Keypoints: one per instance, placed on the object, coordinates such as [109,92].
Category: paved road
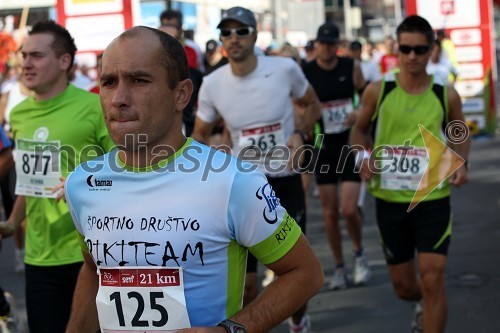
[473,273]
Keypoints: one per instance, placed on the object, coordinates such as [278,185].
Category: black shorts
[291,194]
[426,228]
[49,295]
[335,162]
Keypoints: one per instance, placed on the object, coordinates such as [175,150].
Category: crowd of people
[147,196]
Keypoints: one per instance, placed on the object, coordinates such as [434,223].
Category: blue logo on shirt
[267,194]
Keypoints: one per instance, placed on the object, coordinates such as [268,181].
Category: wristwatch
[232,327]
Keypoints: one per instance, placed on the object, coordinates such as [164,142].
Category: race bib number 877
[38,167]
[141,299]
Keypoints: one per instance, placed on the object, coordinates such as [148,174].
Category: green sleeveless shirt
[396,124]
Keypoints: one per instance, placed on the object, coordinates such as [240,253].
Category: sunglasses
[240,32]
[419,49]
[170,26]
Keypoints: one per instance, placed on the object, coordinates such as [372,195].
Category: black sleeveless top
[330,85]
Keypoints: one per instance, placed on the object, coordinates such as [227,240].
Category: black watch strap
[232,327]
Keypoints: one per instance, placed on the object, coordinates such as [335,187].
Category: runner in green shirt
[54,130]
[408,115]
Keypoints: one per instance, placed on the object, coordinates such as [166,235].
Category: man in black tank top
[335,80]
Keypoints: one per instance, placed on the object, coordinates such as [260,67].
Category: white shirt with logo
[257,108]
[170,243]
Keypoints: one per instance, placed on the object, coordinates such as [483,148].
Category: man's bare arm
[3,106]
[357,76]
[84,317]
[6,162]
[308,109]
[300,276]
[16,217]
[359,84]
[361,132]
[202,130]
[360,135]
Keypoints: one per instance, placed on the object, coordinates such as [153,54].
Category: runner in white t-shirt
[441,67]
[369,68]
[254,97]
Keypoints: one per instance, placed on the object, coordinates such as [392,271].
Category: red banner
[468,24]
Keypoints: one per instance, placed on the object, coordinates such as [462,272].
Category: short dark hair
[63,42]
[441,33]
[355,46]
[416,24]
[174,58]
[309,45]
[171,14]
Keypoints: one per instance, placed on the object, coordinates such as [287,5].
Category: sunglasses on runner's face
[241,32]
[419,49]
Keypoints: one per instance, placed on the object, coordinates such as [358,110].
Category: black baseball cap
[355,46]
[239,14]
[328,33]
[211,45]
[310,45]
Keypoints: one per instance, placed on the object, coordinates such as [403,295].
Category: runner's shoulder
[309,66]
[452,94]
[83,96]
[217,75]
[372,91]
[346,61]
[278,61]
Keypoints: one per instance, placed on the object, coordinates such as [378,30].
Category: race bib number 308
[405,169]
[38,167]
[141,299]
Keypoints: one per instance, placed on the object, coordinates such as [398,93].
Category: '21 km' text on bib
[141,299]
[38,167]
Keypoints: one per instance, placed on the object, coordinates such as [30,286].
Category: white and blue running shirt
[200,209]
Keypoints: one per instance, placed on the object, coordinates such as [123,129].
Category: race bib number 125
[141,299]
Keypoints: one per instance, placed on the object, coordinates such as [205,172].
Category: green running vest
[396,122]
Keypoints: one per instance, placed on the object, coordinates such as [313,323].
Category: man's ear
[65,61]
[184,92]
